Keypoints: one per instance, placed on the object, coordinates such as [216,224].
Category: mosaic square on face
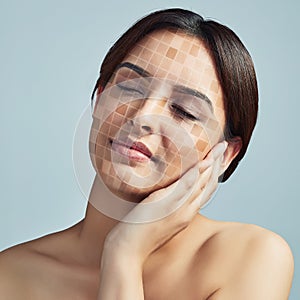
[194,51]
[171,53]
[181,57]
[147,53]
[214,86]
[161,48]
[174,59]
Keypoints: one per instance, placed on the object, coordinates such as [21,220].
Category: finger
[188,186]
[211,185]
[217,150]
[213,154]
[208,171]
[202,181]
[192,204]
[185,208]
[212,163]
[177,190]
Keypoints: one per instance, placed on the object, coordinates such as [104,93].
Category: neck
[98,222]
[102,214]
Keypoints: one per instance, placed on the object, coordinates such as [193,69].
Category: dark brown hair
[233,63]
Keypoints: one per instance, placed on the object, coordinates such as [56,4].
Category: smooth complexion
[182,256]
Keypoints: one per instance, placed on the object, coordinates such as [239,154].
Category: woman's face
[161,112]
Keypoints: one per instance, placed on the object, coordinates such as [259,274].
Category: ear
[234,146]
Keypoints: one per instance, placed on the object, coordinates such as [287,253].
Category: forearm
[120,279]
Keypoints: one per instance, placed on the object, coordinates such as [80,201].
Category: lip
[137,151]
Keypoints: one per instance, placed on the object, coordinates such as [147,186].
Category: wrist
[121,277]
[122,252]
[118,258]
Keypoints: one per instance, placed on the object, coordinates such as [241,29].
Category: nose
[148,118]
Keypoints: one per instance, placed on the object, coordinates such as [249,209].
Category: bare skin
[207,260]
[183,256]
[101,258]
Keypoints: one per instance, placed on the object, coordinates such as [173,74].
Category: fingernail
[224,146]
[205,164]
[220,149]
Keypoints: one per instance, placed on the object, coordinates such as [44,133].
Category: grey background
[50,55]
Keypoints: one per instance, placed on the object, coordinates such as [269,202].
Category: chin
[128,192]
[133,180]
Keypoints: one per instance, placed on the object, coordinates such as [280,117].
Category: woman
[176,104]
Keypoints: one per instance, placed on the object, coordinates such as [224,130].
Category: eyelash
[181,113]
[129,89]
[178,110]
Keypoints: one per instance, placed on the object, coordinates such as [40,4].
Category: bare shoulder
[23,264]
[252,262]
[15,265]
[256,243]
[251,239]
[28,253]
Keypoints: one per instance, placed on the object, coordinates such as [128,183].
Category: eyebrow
[185,90]
[135,68]
[178,88]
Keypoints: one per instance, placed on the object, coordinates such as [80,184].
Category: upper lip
[138,146]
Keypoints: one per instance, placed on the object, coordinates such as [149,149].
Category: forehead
[181,58]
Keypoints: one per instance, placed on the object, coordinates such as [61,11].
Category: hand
[140,240]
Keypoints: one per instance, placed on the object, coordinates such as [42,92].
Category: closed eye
[182,113]
[129,89]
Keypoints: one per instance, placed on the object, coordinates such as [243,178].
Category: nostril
[146,128]
[136,123]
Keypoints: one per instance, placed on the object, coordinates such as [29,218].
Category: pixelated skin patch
[116,173]
[169,110]
[175,143]
[181,58]
[159,99]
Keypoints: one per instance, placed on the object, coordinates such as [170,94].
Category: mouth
[136,151]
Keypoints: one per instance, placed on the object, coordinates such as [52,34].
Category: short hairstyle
[233,64]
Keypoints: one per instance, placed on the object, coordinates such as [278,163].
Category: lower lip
[131,154]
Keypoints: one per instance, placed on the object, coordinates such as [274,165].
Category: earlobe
[233,148]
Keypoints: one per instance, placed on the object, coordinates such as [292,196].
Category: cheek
[207,135]
[104,131]
[174,163]
[202,146]
[114,126]
[111,126]
[201,140]
[184,148]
